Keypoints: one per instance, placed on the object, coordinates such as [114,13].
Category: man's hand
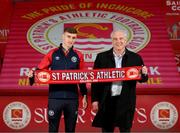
[144,70]
[95,106]
[84,102]
[30,74]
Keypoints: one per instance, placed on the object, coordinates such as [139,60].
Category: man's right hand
[30,74]
[95,106]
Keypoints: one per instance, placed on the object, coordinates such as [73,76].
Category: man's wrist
[85,96]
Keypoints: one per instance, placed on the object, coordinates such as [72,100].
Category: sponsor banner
[154,113]
[37,28]
[173,26]
[87,76]
[5,7]
[172,7]
[177,58]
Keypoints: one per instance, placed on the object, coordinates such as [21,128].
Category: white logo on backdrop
[94,28]
[164,115]
[16,115]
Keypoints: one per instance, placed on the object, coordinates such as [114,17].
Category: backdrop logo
[164,115]
[16,115]
[94,28]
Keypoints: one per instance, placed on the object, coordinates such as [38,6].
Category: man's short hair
[120,30]
[70,30]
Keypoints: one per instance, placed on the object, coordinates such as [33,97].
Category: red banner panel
[37,28]
[154,113]
[5,17]
[173,26]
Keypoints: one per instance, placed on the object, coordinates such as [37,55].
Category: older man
[115,102]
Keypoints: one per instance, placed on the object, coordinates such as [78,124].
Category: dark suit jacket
[101,92]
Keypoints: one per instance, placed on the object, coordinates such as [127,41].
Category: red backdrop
[36,28]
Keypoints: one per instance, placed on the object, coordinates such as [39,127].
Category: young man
[115,102]
[64,97]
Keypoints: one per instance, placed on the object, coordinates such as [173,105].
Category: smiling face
[68,39]
[119,41]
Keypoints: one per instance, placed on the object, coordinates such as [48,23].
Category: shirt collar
[64,50]
[119,55]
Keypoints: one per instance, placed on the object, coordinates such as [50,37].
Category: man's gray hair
[120,30]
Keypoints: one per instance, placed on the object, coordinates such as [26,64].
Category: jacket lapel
[111,63]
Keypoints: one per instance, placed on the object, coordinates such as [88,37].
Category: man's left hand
[144,70]
[84,102]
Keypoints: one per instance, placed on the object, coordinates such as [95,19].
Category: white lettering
[176,8]
[80,116]
[55,76]
[24,71]
[141,118]
[91,75]
[93,114]
[154,71]
[63,76]
[40,115]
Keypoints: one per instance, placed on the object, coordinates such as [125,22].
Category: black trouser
[69,107]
